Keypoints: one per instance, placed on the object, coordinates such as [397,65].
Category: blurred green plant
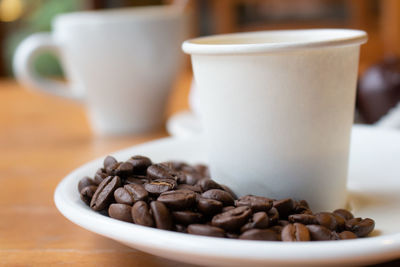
[37,17]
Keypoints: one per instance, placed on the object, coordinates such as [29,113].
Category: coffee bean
[159,186]
[160,171]
[277,229]
[209,206]
[303,218]
[260,234]
[175,165]
[138,192]
[109,161]
[284,207]
[345,214]
[122,196]
[99,176]
[192,178]
[120,212]
[347,235]
[141,214]
[301,207]
[161,215]
[85,181]
[319,232]
[273,216]
[136,179]
[283,222]
[227,189]
[326,219]
[207,184]
[104,194]
[206,230]
[219,195]
[194,188]
[140,164]
[224,209]
[360,227]
[233,219]
[259,220]
[87,193]
[180,228]
[187,217]
[202,169]
[232,235]
[124,169]
[295,232]
[255,203]
[178,199]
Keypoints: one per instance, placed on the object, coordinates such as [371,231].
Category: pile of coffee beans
[180,197]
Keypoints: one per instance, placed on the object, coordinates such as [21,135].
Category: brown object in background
[379,89]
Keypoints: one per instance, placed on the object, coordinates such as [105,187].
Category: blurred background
[380,18]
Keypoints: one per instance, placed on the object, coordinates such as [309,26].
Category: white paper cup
[277,109]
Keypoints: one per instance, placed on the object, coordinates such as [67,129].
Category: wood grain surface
[43,138]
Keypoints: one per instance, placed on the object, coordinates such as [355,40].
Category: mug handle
[23,66]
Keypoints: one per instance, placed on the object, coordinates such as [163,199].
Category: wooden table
[42,138]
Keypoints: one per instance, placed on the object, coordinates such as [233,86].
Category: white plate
[374,187]
[183,124]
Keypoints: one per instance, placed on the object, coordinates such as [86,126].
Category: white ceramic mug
[122,62]
[277,109]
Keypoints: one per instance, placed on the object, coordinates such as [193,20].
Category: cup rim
[106,16]
[238,43]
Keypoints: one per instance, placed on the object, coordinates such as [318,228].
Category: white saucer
[374,187]
[183,124]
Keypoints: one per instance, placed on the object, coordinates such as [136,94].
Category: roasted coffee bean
[130,193]
[330,220]
[255,203]
[345,214]
[175,165]
[303,218]
[140,164]
[259,220]
[202,169]
[136,179]
[277,229]
[159,186]
[282,222]
[178,199]
[273,216]
[209,206]
[224,209]
[219,195]
[192,178]
[162,216]
[227,189]
[99,176]
[120,212]
[109,161]
[260,234]
[194,188]
[180,228]
[301,207]
[360,227]
[295,232]
[124,169]
[138,192]
[347,235]
[319,232]
[207,230]
[85,181]
[284,207]
[104,194]
[187,217]
[233,219]
[207,184]
[232,235]
[160,171]
[87,193]
[141,214]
